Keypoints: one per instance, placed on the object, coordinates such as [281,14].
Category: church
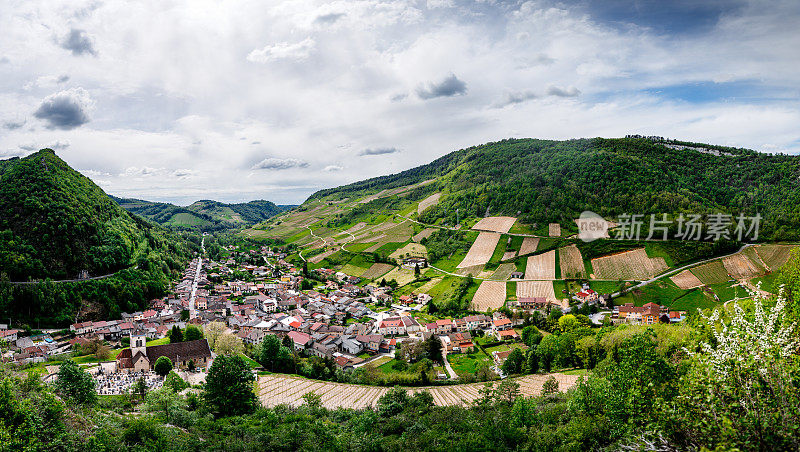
[141,358]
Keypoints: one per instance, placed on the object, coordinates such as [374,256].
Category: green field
[711,273]
[468,363]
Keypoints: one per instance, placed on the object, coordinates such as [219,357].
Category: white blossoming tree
[743,389]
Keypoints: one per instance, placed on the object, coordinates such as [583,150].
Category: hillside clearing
[495,224]
[503,272]
[411,249]
[481,250]
[541,266]
[554,230]
[424,234]
[490,295]
[711,273]
[740,267]
[431,200]
[774,256]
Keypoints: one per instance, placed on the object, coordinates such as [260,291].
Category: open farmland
[274,390]
[775,256]
[571,262]
[319,257]
[554,229]
[686,280]
[431,200]
[424,234]
[508,255]
[402,275]
[411,249]
[490,295]
[711,273]
[533,289]
[495,224]
[376,271]
[740,267]
[529,245]
[481,250]
[541,266]
[628,265]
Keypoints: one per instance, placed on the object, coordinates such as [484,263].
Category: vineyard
[431,200]
[571,262]
[535,289]
[490,295]
[481,251]
[529,245]
[274,390]
[629,265]
[686,280]
[541,266]
[495,224]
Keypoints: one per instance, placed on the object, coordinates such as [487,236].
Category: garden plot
[481,250]
[711,273]
[541,266]
[529,245]
[495,224]
[424,234]
[431,200]
[503,272]
[686,280]
[554,229]
[774,256]
[571,262]
[490,295]
[402,275]
[740,267]
[536,289]
[275,389]
[376,271]
[633,265]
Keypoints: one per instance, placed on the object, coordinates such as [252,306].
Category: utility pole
[457,218]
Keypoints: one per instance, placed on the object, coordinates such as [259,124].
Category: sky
[180,100]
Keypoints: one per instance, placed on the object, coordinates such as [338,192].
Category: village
[334,316]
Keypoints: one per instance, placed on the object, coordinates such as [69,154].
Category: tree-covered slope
[55,223]
[203,214]
[554,181]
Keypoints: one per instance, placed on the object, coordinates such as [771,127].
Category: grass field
[711,273]
[402,275]
[377,270]
[410,249]
[464,364]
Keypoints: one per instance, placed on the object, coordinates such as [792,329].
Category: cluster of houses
[497,325]
[648,314]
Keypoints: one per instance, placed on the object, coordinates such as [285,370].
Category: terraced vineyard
[274,390]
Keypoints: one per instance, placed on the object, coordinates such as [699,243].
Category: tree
[531,336]
[513,363]
[433,348]
[175,335]
[103,352]
[228,390]
[192,333]
[287,342]
[75,384]
[212,330]
[416,269]
[531,364]
[228,344]
[550,386]
[175,382]
[163,366]
[139,388]
[267,353]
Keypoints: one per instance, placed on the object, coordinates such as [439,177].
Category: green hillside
[205,215]
[543,181]
[57,224]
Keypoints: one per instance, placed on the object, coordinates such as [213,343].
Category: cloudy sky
[178,100]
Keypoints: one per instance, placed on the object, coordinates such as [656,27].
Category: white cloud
[283,51]
[272,163]
[331,168]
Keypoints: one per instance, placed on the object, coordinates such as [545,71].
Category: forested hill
[55,223]
[204,214]
[554,181]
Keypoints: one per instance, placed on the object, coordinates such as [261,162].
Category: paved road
[192,309]
[447,366]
